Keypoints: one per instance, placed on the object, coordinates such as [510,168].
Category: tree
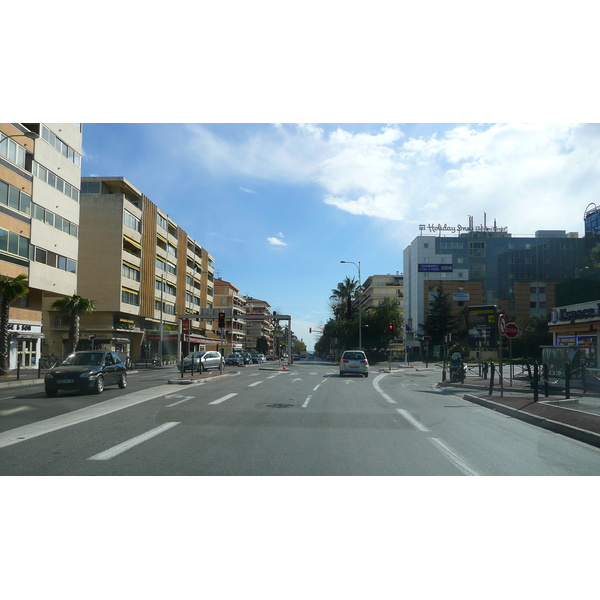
[262,345]
[10,290]
[73,307]
[342,296]
[439,320]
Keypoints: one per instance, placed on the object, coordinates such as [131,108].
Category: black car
[87,371]
[235,359]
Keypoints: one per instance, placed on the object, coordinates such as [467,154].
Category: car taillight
[364,362]
[343,360]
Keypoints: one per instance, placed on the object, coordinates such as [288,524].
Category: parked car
[234,359]
[255,358]
[87,371]
[247,358]
[203,361]
[263,358]
[354,361]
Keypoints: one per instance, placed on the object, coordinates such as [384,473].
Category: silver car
[354,361]
[203,361]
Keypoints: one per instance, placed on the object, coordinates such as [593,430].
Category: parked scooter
[458,368]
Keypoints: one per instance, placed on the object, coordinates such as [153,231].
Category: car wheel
[99,385]
[366,374]
[50,393]
[123,381]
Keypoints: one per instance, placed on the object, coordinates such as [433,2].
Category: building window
[51,179]
[132,221]
[131,272]
[14,243]
[56,221]
[161,221]
[60,146]
[130,297]
[13,152]
[15,198]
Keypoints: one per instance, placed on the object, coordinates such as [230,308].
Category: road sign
[502,324]
[511,330]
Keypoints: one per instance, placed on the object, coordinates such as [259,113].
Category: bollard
[444,372]
[18,369]
[535,381]
[567,381]
[583,385]
[492,371]
[39,369]
[546,389]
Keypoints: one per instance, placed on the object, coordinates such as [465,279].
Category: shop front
[577,325]
[24,344]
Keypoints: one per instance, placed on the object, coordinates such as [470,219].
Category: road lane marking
[12,411]
[376,386]
[27,432]
[454,457]
[223,399]
[120,448]
[306,402]
[317,387]
[417,424]
[185,399]
[256,383]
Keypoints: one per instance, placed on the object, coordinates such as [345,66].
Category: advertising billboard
[483,328]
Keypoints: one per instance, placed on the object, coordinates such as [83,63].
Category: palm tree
[10,290]
[72,307]
[344,293]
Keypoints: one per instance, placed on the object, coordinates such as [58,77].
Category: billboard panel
[482,326]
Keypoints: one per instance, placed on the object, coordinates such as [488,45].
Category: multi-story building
[377,287]
[228,296]
[39,226]
[256,325]
[142,271]
[487,266]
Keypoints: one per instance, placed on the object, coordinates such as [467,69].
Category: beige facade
[41,218]
[256,329]
[227,296]
[142,271]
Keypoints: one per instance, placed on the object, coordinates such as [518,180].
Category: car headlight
[49,376]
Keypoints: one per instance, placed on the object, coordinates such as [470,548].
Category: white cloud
[276,241]
[247,191]
[527,176]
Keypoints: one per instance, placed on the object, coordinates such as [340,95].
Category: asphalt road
[308,421]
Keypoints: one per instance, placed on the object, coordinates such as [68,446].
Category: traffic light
[221,320]
[310,330]
[391,329]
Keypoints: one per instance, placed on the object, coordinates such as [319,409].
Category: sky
[279,206]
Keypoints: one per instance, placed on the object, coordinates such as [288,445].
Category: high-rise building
[39,225]
[487,266]
[142,271]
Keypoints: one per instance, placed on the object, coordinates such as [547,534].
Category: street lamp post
[30,134]
[359,303]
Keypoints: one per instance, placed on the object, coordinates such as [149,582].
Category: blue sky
[279,205]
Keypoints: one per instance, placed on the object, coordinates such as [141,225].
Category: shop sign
[432,268]
[34,327]
[575,312]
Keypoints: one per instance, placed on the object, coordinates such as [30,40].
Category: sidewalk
[577,417]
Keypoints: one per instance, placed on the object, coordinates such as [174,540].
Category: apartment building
[142,271]
[257,326]
[377,287]
[39,226]
[227,296]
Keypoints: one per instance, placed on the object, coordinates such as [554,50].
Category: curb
[587,437]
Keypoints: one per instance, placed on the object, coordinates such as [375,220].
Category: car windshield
[91,358]
[195,355]
[354,356]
